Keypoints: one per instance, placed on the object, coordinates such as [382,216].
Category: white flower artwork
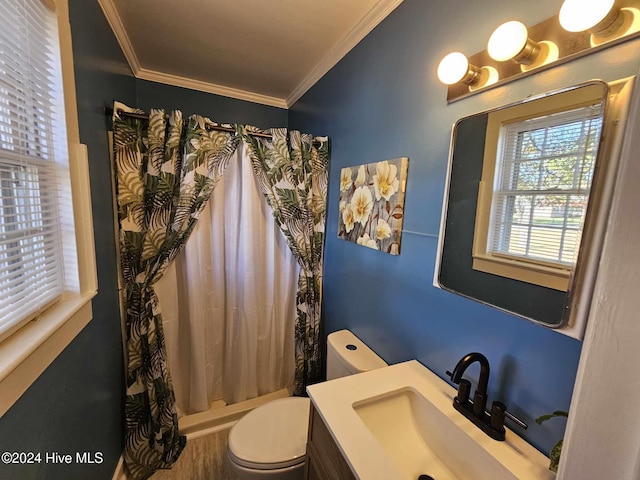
[372,207]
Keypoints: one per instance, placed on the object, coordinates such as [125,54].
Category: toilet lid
[271,436]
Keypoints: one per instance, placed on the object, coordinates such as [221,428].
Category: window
[47,260]
[534,194]
[33,161]
[545,166]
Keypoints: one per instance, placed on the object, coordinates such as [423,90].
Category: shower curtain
[228,301]
[292,172]
[165,172]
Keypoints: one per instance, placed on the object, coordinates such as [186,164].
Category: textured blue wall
[76,404]
[218,108]
[383,101]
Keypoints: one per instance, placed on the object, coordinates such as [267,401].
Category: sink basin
[399,423]
[421,440]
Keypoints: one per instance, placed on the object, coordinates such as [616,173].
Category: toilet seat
[271,436]
[265,466]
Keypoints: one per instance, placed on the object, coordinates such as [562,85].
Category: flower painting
[372,204]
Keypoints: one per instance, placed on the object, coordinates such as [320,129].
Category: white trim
[178,81]
[524,269]
[68,72]
[216,419]
[29,351]
[602,438]
[378,13]
[371,20]
[83,216]
[113,17]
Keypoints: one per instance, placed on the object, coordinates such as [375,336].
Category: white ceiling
[269,51]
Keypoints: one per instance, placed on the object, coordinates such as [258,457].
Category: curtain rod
[208,127]
[109,112]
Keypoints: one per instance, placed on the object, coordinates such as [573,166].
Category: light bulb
[453,68]
[581,15]
[507,41]
[510,41]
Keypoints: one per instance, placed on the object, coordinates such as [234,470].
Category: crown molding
[113,17]
[378,13]
[178,81]
[371,20]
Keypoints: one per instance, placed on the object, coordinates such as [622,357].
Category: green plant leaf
[554,456]
[543,418]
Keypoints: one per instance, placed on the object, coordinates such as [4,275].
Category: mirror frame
[581,283]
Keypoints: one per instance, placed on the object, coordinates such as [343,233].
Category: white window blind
[33,151]
[543,178]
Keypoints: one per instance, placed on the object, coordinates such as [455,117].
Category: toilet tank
[346,355]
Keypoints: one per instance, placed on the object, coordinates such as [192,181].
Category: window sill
[530,272]
[29,351]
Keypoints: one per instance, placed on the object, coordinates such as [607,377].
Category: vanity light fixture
[603,19]
[455,68]
[510,41]
[514,50]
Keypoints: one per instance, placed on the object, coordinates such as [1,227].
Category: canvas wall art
[372,204]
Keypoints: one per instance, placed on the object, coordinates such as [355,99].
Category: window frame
[537,272]
[31,349]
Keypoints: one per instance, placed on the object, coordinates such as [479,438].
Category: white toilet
[270,441]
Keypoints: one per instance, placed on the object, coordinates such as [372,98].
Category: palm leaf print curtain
[292,174]
[165,173]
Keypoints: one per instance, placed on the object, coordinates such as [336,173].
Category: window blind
[32,151]
[542,184]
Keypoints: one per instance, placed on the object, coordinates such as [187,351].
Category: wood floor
[204,458]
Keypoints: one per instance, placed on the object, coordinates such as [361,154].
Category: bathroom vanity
[324,459]
[399,423]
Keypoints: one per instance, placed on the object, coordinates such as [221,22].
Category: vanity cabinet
[324,460]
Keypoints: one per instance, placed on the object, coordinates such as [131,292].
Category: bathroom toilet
[270,441]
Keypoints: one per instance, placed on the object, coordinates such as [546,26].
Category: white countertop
[367,458]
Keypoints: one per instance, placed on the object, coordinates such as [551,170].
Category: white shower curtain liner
[228,302]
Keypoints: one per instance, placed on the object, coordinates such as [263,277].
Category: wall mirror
[524,204]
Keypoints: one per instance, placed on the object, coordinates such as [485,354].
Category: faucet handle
[498,410]
[463,391]
[515,420]
[498,414]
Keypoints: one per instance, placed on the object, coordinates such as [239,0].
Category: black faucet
[490,423]
[480,397]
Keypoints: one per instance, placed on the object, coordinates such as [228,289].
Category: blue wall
[383,101]
[76,405]
[217,108]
